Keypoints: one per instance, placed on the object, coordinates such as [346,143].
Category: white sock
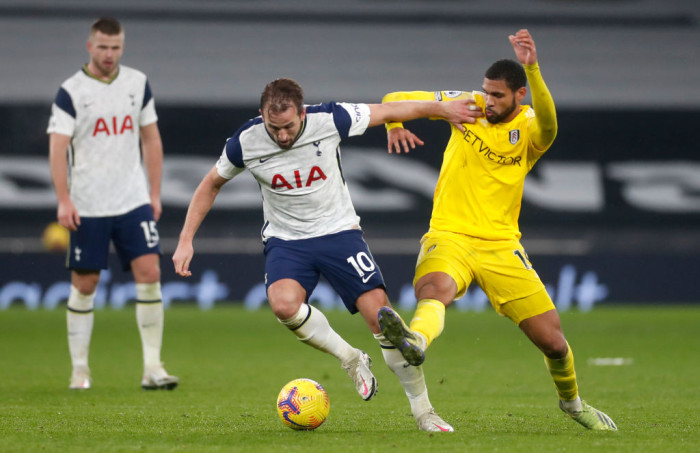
[150,319]
[422,340]
[312,327]
[79,320]
[411,377]
[573,405]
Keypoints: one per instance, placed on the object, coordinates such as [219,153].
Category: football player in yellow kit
[474,233]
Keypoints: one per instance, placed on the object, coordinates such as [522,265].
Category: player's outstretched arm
[399,139]
[404,138]
[456,112]
[199,207]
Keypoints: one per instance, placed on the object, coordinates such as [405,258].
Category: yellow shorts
[501,268]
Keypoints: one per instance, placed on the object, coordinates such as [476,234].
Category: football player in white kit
[311,227]
[97,119]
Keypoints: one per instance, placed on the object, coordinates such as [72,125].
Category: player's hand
[461,111]
[67,215]
[400,138]
[182,258]
[524,47]
[157,207]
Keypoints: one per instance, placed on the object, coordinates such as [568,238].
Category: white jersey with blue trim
[303,189]
[106,177]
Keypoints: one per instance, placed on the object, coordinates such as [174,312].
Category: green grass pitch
[484,377]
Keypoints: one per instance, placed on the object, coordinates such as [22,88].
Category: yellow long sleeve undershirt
[544,130]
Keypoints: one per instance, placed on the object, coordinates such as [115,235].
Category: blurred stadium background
[610,215]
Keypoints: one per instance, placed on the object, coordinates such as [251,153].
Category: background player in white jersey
[97,119]
[311,227]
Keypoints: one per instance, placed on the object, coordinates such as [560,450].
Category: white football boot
[158,379]
[80,378]
[361,375]
[430,421]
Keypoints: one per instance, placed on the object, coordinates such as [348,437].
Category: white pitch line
[610,361]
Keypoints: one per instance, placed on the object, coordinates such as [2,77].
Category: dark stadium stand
[621,184]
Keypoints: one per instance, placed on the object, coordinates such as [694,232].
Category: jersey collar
[106,82]
[301,131]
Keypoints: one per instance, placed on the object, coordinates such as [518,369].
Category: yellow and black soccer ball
[303,404]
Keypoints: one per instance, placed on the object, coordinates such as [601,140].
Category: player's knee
[283,304]
[146,268]
[85,283]
[436,285]
[437,291]
[149,274]
[554,347]
[285,310]
[285,297]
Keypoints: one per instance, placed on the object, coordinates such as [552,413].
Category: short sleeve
[353,118]
[148,110]
[225,167]
[62,119]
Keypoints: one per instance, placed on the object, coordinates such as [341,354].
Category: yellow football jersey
[480,187]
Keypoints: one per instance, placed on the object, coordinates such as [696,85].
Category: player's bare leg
[310,325]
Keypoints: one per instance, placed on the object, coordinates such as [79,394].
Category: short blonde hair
[107,25]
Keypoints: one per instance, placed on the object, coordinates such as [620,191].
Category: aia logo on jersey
[514,136]
[113,126]
[279,181]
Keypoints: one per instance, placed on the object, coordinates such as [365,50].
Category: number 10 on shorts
[362,263]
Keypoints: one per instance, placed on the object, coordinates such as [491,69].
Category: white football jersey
[303,189]
[104,118]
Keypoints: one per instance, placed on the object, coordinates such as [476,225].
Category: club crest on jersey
[514,136]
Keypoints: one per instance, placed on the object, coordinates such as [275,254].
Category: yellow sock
[564,375]
[429,319]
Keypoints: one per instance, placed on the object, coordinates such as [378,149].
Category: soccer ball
[303,404]
[55,238]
